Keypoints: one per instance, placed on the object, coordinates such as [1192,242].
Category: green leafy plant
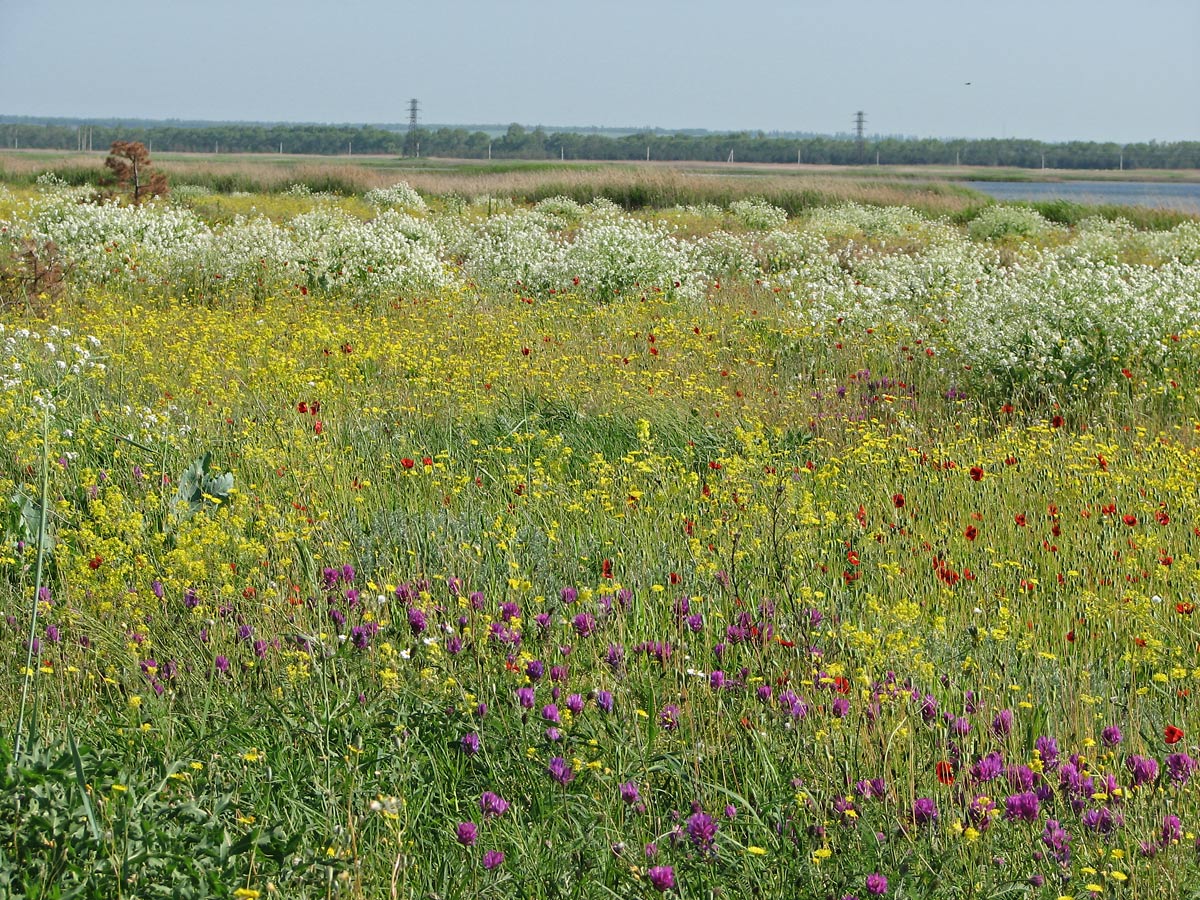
[200,486]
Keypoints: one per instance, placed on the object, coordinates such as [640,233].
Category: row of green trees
[522,143]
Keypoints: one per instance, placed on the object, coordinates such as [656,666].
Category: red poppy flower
[1129,519]
[971,533]
[1172,734]
[1057,422]
[426,460]
[945,771]
[407,463]
[976,473]
[898,501]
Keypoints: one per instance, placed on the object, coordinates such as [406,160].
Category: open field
[436,544]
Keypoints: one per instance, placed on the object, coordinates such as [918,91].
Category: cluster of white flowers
[999,221]
[400,194]
[758,214]
[1063,310]
[44,360]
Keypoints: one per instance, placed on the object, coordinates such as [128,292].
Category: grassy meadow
[469,542]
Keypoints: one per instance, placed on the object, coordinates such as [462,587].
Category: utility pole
[860,120]
[414,109]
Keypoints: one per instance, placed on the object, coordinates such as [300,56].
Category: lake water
[1161,195]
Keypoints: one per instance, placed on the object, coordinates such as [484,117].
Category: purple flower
[604,700]
[52,634]
[702,830]
[467,833]
[561,771]
[525,697]
[1002,723]
[1143,769]
[1047,748]
[470,744]
[416,621]
[558,673]
[924,811]
[568,595]
[585,624]
[988,768]
[629,793]
[876,884]
[1180,767]
[492,805]
[1056,838]
[668,717]
[550,713]
[716,679]
[662,878]
[1111,736]
[1101,821]
[1172,830]
[575,704]
[156,588]
[841,707]
[1023,806]
[493,859]
[535,669]
[615,656]
[222,665]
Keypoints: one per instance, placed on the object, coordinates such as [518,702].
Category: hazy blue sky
[1050,69]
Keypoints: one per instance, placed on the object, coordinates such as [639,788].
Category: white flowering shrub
[757,214]
[998,221]
[610,259]
[848,219]
[723,254]
[560,208]
[400,195]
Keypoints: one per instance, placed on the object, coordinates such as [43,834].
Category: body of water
[1178,195]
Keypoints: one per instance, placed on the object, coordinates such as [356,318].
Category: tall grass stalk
[29,673]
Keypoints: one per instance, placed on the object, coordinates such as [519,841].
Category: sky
[1051,70]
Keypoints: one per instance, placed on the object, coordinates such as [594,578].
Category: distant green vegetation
[521,143]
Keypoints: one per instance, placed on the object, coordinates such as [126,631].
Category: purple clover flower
[877,884]
[1180,767]
[467,833]
[560,770]
[924,811]
[493,859]
[1143,769]
[662,878]
[702,831]
[492,805]
[1023,807]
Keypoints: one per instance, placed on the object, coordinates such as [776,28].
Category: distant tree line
[521,143]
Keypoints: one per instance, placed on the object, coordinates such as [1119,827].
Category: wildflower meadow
[403,545]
